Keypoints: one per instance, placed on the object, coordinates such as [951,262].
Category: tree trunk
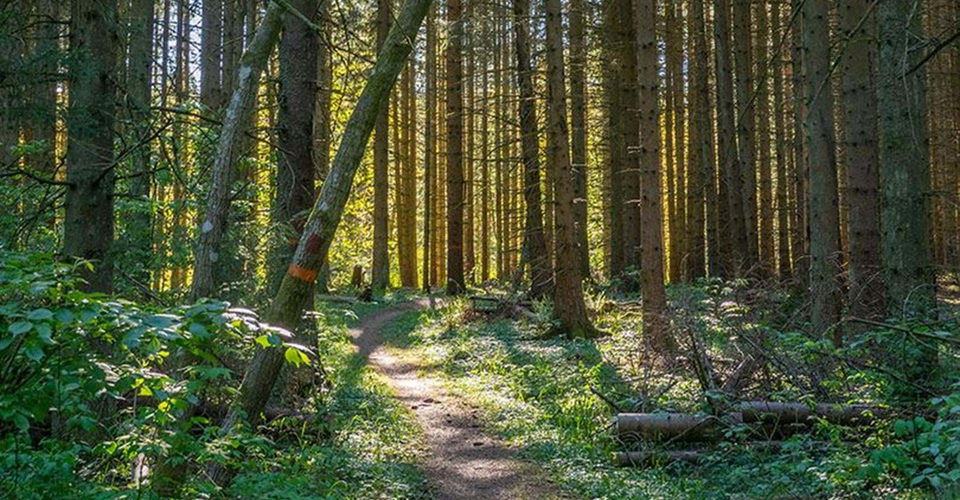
[296,172]
[616,152]
[904,163]
[455,184]
[380,271]
[429,152]
[732,240]
[569,307]
[534,244]
[860,157]
[88,220]
[701,209]
[630,168]
[822,165]
[578,128]
[764,164]
[293,296]
[783,208]
[211,46]
[229,146]
[746,198]
[654,296]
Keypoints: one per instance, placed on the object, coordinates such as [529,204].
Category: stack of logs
[762,420]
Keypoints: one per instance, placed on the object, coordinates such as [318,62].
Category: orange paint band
[302,273]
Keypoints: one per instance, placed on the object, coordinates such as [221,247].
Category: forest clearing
[451,249]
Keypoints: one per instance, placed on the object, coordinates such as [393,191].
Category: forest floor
[463,461]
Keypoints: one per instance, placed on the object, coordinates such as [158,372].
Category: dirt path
[465,462]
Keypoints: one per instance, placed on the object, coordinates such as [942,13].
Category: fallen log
[771,412]
[673,426]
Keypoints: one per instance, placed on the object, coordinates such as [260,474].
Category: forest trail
[464,461]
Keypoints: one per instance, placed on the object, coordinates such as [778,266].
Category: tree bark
[578,128]
[762,89]
[732,240]
[88,220]
[822,165]
[211,50]
[455,182]
[746,198]
[380,271]
[858,90]
[569,307]
[229,146]
[904,163]
[429,147]
[652,279]
[293,296]
[534,244]
[296,171]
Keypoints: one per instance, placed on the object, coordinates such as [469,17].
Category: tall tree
[455,182]
[821,157]
[764,164]
[569,307]
[293,296]
[88,219]
[746,130]
[429,151]
[296,171]
[904,164]
[858,91]
[211,53]
[701,200]
[652,280]
[380,270]
[534,244]
[578,127]
[783,209]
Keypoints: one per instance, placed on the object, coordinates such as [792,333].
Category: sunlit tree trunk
[455,182]
[569,307]
[294,294]
[578,127]
[380,269]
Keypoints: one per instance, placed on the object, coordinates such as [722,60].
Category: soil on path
[465,462]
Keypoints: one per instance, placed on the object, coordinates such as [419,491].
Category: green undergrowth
[370,450]
[542,397]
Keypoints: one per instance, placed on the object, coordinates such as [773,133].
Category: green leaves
[20,327]
[295,356]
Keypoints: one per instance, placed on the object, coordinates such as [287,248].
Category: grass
[540,396]
[371,450]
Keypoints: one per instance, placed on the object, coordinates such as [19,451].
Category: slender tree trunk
[820,139]
[429,150]
[229,146]
[904,163]
[652,279]
[485,176]
[616,149]
[701,209]
[630,171]
[783,208]
[861,158]
[380,272]
[764,164]
[733,234]
[799,241]
[746,198]
[211,44]
[569,307]
[455,181]
[88,220]
[296,172]
[534,244]
[578,127]
[139,76]
[321,114]
[293,296]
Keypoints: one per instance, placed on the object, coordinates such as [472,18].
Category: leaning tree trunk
[534,244]
[294,294]
[88,221]
[569,307]
[229,147]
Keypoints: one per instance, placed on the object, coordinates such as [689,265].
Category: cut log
[673,426]
[771,412]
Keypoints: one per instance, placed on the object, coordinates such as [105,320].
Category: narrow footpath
[464,461]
